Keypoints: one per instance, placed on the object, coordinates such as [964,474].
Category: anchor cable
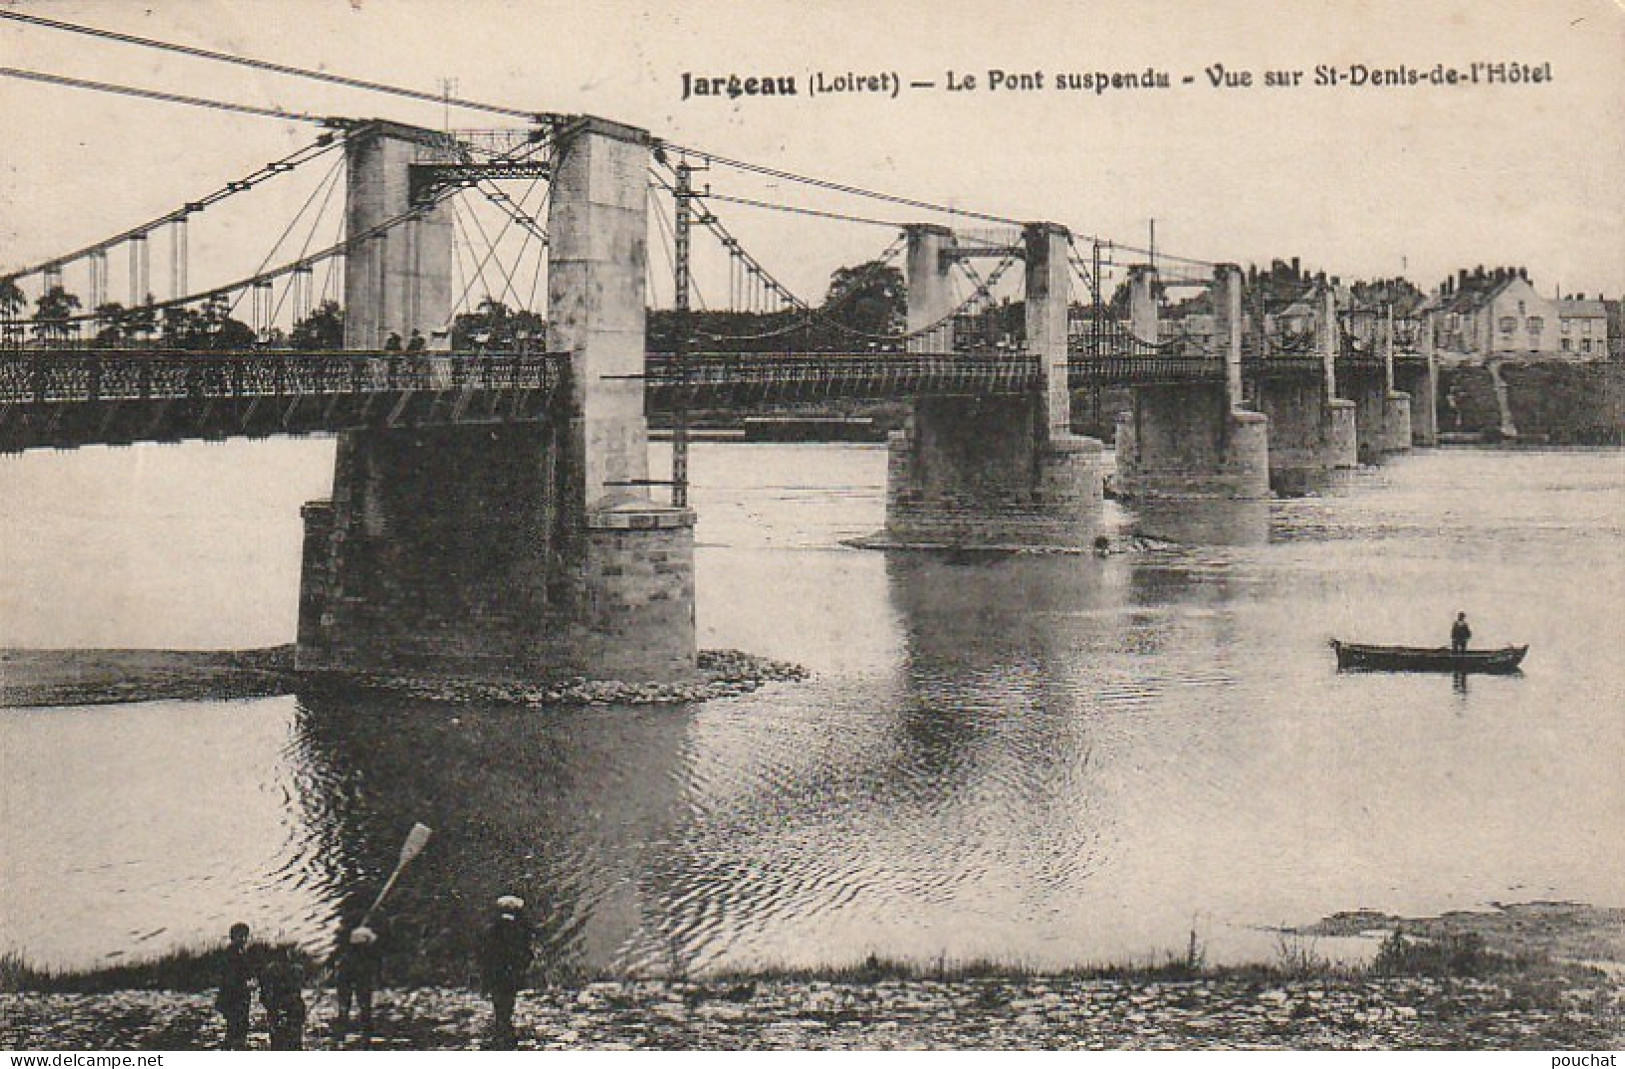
[267,65]
[155,94]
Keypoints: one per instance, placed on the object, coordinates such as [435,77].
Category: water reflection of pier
[1046,695]
[1204,523]
[558,806]
[985,788]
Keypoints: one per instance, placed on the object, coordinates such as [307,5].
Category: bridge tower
[993,470]
[1195,439]
[1144,316]
[1382,415]
[1311,428]
[1419,380]
[514,550]
[398,280]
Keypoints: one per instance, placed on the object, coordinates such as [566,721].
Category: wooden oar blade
[416,840]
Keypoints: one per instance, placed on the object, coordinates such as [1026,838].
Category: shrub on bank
[1458,954]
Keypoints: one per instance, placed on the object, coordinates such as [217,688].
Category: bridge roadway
[64,398]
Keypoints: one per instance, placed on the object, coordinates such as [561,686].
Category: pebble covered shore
[720,674]
[100,677]
[1002,1014]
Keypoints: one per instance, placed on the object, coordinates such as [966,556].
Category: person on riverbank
[236,977]
[1459,634]
[505,955]
[282,995]
[358,966]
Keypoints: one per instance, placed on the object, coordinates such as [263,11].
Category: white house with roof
[1501,315]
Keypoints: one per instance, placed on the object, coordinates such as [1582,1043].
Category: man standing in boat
[1459,634]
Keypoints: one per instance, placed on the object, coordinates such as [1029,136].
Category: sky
[1362,181]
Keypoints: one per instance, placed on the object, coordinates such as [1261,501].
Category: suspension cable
[892,198]
[813,314]
[156,94]
[473,256]
[344,245]
[661,231]
[328,182]
[519,213]
[516,214]
[708,219]
[275,68]
[304,248]
[541,262]
[491,252]
[839,187]
[794,209]
[324,144]
[445,101]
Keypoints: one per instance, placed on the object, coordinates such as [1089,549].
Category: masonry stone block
[1342,441]
[399,280]
[1185,441]
[981,472]
[1396,422]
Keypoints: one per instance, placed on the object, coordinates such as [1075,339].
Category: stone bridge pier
[514,550]
[1420,386]
[1311,429]
[1382,414]
[1194,439]
[993,470]
[1419,380]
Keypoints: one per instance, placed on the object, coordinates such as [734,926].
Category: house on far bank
[1479,315]
[1583,327]
[1365,305]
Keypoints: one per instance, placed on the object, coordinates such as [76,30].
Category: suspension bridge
[472,318]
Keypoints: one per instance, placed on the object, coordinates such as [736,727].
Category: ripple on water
[1050,760]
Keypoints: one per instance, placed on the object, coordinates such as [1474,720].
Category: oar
[416,840]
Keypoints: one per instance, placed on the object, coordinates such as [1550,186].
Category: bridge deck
[55,398]
[73,396]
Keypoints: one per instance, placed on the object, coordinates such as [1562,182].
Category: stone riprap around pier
[102,677]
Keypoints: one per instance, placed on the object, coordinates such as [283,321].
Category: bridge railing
[1281,364]
[1087,369]
[720,376]
[52,375]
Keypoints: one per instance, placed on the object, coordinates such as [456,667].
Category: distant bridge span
[65,398]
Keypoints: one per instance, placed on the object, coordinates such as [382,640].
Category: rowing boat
[1361,657]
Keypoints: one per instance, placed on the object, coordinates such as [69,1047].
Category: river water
[1039,760]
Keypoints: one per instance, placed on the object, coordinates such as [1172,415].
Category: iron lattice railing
[35,376]
[49,375]
[799,376]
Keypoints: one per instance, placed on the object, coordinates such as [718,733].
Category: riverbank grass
[1449,956]
[182,969]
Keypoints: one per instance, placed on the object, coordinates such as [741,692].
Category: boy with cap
[235,977]
[505,956]
[358,967]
